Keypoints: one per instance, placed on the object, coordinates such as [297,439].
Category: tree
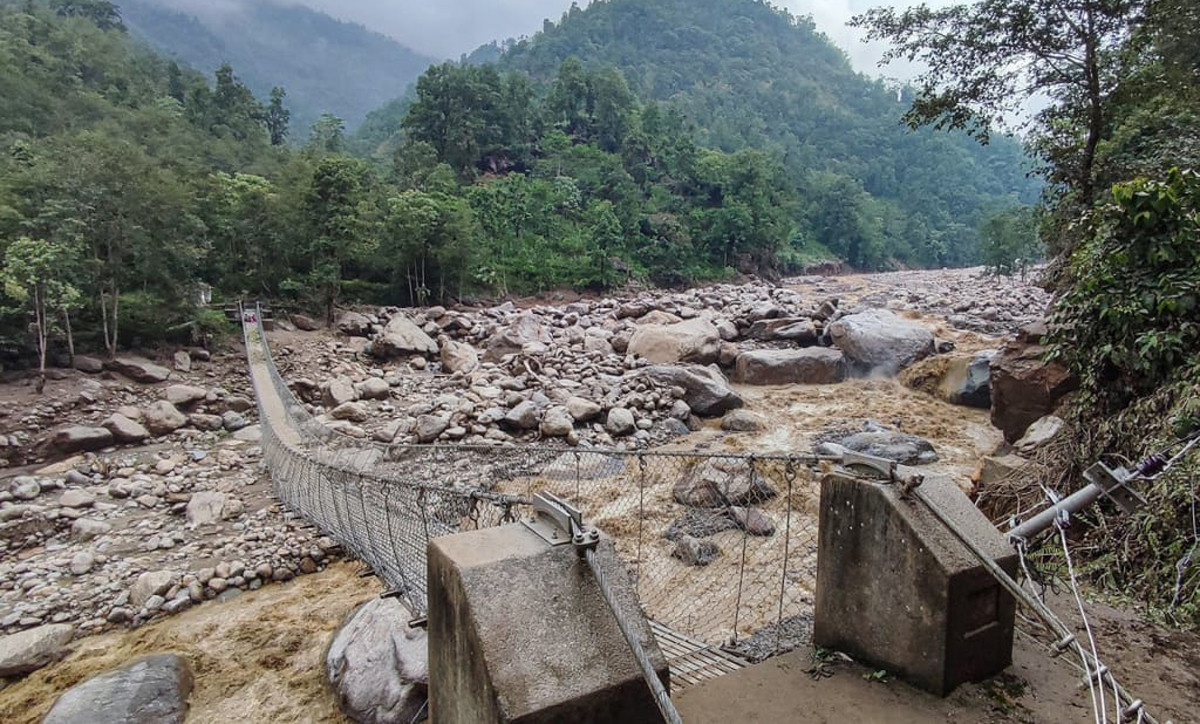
[106,15]
[237,112]
[986,59]
[277,117]
[1009,240]
[334,210]
[35,273]
[328,134]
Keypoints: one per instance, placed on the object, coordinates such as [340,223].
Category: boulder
[353,324]
[1026,387]
[206,507]
[620,422]
[882,442]
[77,499]
[458,356]
[402,338]
[150,689]
[183,361]
[125,430]
[695,552]
[752,520]
[184,395]
[139,369]
[305,323]
[429,427]
[373,388]
[30,650]
[162,418]
[717,482]
[557,422]
[706,390]
[78,438]
[524,416]
[696,340]
[879,341]
[583,410]
[957,379]
[975,387]
[658,316]
[352,411]
[809,366]
[794,329]
[209,423]
[90,365]
[377,666]
[741,421]
[338,391]
[25,487]
[86,529]
[151,583]
[233,421]
[1039,434]
[525,329]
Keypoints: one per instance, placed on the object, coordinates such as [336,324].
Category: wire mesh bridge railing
[722,548]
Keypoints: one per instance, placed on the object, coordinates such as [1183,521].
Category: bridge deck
[692,662]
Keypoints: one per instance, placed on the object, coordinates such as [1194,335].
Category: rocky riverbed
[136,489]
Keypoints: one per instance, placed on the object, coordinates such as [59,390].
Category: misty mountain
[751,75]
[325,65]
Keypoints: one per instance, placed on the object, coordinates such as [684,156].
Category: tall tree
[985,60]
[277,117]
[36,272]
[336,218]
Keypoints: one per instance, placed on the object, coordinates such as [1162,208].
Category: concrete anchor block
[519,632]
[897,589]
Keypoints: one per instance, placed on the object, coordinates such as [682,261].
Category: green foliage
[1009,242]
[748,75]
[1131,315]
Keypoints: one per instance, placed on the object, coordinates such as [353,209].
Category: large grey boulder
[206,507]
[150,689]
[718,482]
[354,324]
[151,583]
[557,422]
[139,369]
[525,329]
[125,430]
[402,338]
[377,666]
[338,391]
[78,438]
[696,340]
[30,650]
[975,388]
[457,356]
[162,418]
[809,366]
[878,341]
[796,329]
[184,395]
[706,390]
[524,416]
[882,442]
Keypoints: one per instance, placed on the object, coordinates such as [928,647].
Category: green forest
[138,182]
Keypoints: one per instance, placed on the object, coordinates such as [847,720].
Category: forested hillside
[326,66]
[746,75]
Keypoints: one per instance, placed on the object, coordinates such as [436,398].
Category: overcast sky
[448,28]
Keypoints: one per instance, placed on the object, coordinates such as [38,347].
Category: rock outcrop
[1026,387]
